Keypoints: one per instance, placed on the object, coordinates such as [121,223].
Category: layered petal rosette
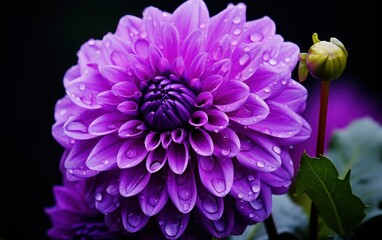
[182,120]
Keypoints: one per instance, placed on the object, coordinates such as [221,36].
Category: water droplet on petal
[208,164]
[287,59]
[256,37]
[171,229]
[218,184]
[266,56]
[267,89]
[185,193]
[82,86]
[134,219]
[240,195]
[107,43]
[244,59]
[91,42]
[106,162]
[251,178]
[202,25]
[225,152]
[236,20]
[155,165]
[237,31]
[257,204]
[283,82]
[131,153]
[276,149]
[255,187]
[98,196]
[260,164]
[272,61]
[251,215]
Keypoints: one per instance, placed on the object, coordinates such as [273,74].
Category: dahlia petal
[126,90]
[177,157]
[171,42]
[152,141]
[220,68]
[226,22]
[217,120]
[178,66]
[154,20]
[131,153]
[259,153]
[212,83]
[269,81]
[192,46]
[60,136]
[75,162]
[129,108]
[133,218]
[128,27]
[246,186]
[133,180]
[253,111]
[166,139]
[198,119]
[88,53]
[245,61]
[221,49]
[70,199]
[104,202]
[115,74]
[226,143]
[182,190]
[141,48]
[141,69]
[197,66]
[178,135]
[294,96]
[204,100]
[154,197]
[281,122]
[65,109]
[257,210]
[108,98]
[132,128]
[189,16]
[288,55]
[222,227]
[77,127]
[83,90]
[280,180]
[157,62]
[302,135]
[156,159]
[103,157]
[231,95]
[115,50]
[217,174]
[72,73]
[171,222]
[201,142]
[107,123]
[209,205]
[259,30]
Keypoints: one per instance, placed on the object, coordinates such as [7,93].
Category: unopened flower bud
[324,60]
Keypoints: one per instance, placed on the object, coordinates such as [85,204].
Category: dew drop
[244,59]
[225,152]
[237,31]
[266,56]
[134,219]
[255,187]
[251,178]
[283,82]
[251,215]
[276,149]
[240,195]
[161,222]
[210,205]
[257,204]
[260,164]
[272,61]
[131,153]
[155,165]
[82,87]
[77,127]
[236,20]
[107,43]
[287,59]
[202,25]
[98,196]
[218,184]
[106,162]
[256,37]
[72,141]
[70,171]
[267,89]
[91,42]
[171,229]
[185,193]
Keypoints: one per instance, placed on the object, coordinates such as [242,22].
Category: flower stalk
[270,227]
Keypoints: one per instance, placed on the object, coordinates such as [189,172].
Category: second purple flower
[183,118]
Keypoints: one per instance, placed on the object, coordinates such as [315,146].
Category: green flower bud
[324,60]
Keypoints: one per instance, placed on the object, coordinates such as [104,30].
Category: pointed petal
[133,218]
[126,90]
[152,141]
[172,222]
[294,96]
[216,174]
[108,98]
[154,20]
[253,111]
[189,16]
[133,180]
[156,159]
[231,95]
[197,66]
[198,119]
[154,197]
[226,143]
[209,205]
[115,50]
[246,184]
[192,46]
[129,108]
[201,142]
[77,127]
[131,153]
[257,210]
[204,100]
[103,157]
[128,28]
[259,30]
[182,190]
[107,123]
[246,60]
[177,155]
[115,74]
[171,42]
[132,128]
[217,120]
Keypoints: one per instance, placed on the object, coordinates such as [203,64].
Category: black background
[40,41]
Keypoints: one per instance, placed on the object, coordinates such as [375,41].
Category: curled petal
[231,95]
[177,157]
[198,119]
[192,46]
[209,205]
[141,48]
[201,142]
[154,197]
[166,139]
[217,174]
[156,159]
[226,143]
[131,153]
[182,190]
[172,222]
[204,100]
[115,74]
[103,157]
[253,111]
[212,83]
[178,135]
[152,141]
[133,180]
[259,209]
[108,98]
[217,120]
[107,123]
[132,128]
[126,90]
[129,108]
[133,218]
[78,127]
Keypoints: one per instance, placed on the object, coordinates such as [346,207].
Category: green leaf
[359,148]
[288,217]
[338,207]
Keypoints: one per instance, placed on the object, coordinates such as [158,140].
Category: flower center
[167,103]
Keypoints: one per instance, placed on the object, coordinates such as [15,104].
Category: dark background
[40,41]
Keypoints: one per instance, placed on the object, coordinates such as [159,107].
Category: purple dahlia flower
[183,120]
